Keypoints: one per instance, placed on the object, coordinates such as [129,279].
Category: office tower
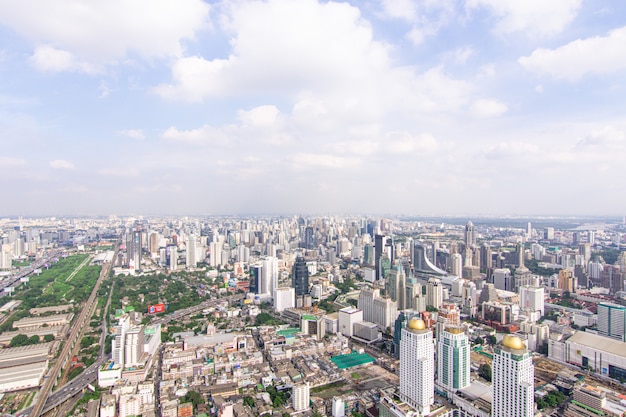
[134,250]
[470,234]
[486,255]
[173,258]
[117,344]
[612,321]
[519,255]
[457,264]
[256,275]
[269,281]
[368,255]
[192,249]
[301,397]
[434,293]
[133,346]
[513,379]
[566,281]
[417,366]
[453,359]
[284,298]
[347,317]
[382,245]
[549,233]
[215,254]
[531,299]
[529,230]
[377,309]
[396,286]
[502,279]
[300,276]
[154,243]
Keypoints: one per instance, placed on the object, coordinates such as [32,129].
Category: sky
[431,107]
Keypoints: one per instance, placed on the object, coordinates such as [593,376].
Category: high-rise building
[417,366]
[396,286]
[376,309]
[612,321]
[346,319]
[470,234]
[284,298]
[256,275]
[502,279]
[300,276]
[453,359]
[531,299]
[134,255]
[434,293]
[457,264]
[269,281]
[382,245]
[513,379]
[133,346]
[301,397]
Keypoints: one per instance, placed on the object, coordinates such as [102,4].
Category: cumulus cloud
[427,17]
[48,58]
[484,108]
[595,55]
[606,138]
[136,134]
[71,36]
[61,164]
[535,17]
[262,116]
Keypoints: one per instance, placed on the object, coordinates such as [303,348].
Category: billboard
[157,308]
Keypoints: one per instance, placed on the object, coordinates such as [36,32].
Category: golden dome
[454,330]
[513,342]
[417,324]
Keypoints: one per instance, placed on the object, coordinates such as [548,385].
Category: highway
[8,282]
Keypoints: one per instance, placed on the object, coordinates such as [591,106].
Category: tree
[194,397]
[19,340]
[33,340]
[491,339]
[48,338]
[484,371]
[479,341]
[249,401]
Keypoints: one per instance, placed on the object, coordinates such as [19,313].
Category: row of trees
[23,340]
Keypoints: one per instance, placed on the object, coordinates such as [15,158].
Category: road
[8,282]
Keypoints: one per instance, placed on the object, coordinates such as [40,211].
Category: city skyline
[470,108]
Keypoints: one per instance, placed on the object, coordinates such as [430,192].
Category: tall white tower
[513,379]
[453,359]
[417,366]
[434,293]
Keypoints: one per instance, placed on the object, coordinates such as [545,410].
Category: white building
[130,405]
[269,275]
[134,346]
[502,279]
[347,317]
[531,299]
[513,379]
[338,407]
[417,366]
[301,397]
[434,293]
[284,298]
[453,359]
[376,309]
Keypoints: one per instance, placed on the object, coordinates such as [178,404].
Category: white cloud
[402,142]
[427,17]
[535,17]
[48,58]
[136,134]
[596,55]
[61,164]
[262,116]
[488,108]
[400,9]
[203,135]
[100,33]
[606,138]
[11,162]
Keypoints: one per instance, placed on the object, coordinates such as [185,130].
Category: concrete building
[376,309]
[502,279]
[612,321]
[301,397]
[453,359]
[434,293]
[347,317]
[284,298]
[417,366]
[513,379]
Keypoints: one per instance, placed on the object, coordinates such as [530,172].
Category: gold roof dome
[417,324]
[513,342]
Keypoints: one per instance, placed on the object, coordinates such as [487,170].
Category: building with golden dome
[512,379]
[417,366]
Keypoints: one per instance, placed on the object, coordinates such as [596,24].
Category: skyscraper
[513,379]
[300,276]
[453,359]
[470,234]
[417,366]
[396,286]
[612,321]
[434,293]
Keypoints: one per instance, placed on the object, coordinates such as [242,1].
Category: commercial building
[347,317]
[300,276]
[417,366]
[453,359]
[612,321]
[284,298]
[376,309]
[513,379]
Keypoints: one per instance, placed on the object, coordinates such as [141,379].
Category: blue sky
[430,107]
